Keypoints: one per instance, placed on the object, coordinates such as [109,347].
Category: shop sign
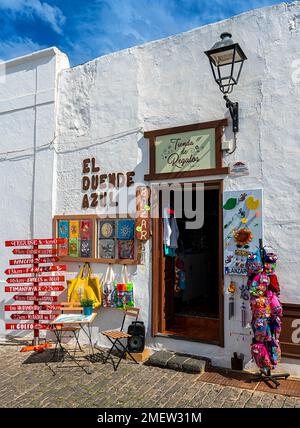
[186,151]
[239,169]
[31,261]
[49,251]
[28,242]
[142,223]
[99,188]
[30,288]
[27,298]
[30,279]
[28,308]
[27,326]
[45,317]
[290,333]
[242,228]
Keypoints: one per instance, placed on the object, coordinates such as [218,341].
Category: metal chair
[115,337]
[74,329]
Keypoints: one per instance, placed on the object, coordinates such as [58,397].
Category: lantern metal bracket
[234,113]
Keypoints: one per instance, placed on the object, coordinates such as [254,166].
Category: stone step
[180,362]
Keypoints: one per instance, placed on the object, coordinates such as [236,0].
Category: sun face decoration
[243,236]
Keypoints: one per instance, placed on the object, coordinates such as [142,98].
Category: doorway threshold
[177,336]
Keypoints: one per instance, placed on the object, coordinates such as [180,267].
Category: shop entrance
[188,285]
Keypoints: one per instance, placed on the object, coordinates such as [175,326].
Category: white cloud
[35,8]
[17,46]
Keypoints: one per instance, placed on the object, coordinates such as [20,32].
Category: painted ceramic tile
[74,228]
[73,247]
[126,249]
[85,229]
[106,229]
[126,229]
[85,248]
[106,248]
[63,229]
[63,250]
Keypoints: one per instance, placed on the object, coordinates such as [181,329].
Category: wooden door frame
[157,326]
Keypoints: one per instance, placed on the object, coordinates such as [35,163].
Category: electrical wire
[51,145]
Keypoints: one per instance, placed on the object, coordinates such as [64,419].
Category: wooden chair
[115,337]
[74,329]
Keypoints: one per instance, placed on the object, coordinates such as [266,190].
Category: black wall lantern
[226,59]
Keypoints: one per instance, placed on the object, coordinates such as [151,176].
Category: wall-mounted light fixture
[226,60]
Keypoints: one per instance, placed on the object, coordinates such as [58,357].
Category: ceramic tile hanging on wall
[242,224]
[106,229]
[106,248]
[126,229]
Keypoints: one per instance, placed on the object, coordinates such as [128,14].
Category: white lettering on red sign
[27,326]
[31,261]
[38,269]
[30,288]
[26,297]
[24,243]
[30,279]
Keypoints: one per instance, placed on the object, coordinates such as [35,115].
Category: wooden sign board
[31,261]
[27,326]
[26,297]
[11,308]
[48,251]
[30,279]
[16,271]
[290,333]
[29,242]
[32,288]
[142,223]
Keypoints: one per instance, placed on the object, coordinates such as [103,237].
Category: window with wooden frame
[97,239]
[186,151]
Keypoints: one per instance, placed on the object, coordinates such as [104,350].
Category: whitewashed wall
[169,83]
[27,122]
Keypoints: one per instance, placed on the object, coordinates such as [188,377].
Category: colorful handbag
[85,286]
[276,308]
[274,352]
[254,264]
[259,284]
[124,291]
[261,356]
[108,298]
[260,307]
[274,284]
[261,329]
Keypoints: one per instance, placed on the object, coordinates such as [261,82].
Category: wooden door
[169,273]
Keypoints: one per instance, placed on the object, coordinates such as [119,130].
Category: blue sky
[86,29]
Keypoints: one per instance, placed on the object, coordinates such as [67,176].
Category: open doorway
[191,279]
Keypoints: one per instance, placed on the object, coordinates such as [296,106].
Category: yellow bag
[84,287]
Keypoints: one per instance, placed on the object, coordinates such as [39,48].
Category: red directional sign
[31,260]
[29,308]
[52,251]
[28,288]
[29,279]
[26,297]
[37,317]
[27,326]
[16,271]
[26,242]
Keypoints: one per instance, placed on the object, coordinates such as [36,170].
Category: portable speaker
[136,343]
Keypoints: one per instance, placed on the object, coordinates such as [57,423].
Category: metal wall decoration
[242,224]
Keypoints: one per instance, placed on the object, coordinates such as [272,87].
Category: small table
[72,320]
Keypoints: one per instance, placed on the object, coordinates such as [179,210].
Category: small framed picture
[106,248]
[126,249]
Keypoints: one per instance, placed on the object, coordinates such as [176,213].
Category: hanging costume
[171,234]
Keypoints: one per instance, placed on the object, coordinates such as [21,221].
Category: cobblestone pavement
[33,385]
